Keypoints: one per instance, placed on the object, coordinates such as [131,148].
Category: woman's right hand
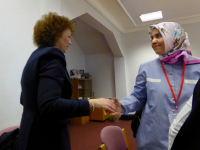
[116,115]
[107,104]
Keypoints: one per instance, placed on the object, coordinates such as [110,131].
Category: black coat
[46,93]
[188,137]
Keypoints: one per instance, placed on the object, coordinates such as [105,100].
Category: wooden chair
[114,138]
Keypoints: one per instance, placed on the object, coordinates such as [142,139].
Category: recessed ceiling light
[151,16]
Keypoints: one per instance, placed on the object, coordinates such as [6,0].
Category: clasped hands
[113,107]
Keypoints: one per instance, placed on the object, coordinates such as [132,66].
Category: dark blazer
[188,137]
[45,96]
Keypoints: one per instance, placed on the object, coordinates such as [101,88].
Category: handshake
[113,107]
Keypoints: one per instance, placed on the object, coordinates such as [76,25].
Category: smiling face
[64,41]
[157,42]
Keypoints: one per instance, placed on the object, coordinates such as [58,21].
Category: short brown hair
[49,28]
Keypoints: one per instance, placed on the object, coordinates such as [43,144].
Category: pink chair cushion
[8,129]
[113,138]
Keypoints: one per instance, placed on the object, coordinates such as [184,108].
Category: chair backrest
[113,138]
[8,129]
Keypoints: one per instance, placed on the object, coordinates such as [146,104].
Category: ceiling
[124,14]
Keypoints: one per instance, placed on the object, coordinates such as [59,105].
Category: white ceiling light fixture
[151,16]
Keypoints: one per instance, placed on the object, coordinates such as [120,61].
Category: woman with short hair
[46,89]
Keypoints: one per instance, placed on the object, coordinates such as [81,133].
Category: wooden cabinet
[99,114]
[79,120]
[82,89]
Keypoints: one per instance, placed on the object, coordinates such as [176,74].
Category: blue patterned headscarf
[176,43]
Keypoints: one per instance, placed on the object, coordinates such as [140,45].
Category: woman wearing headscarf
[163,85]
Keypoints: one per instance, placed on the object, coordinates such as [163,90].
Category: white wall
[16,27]
[193,31]
[138,50]
[101,66]
[75,8]
[17,20]
[120,77]
[75,57]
